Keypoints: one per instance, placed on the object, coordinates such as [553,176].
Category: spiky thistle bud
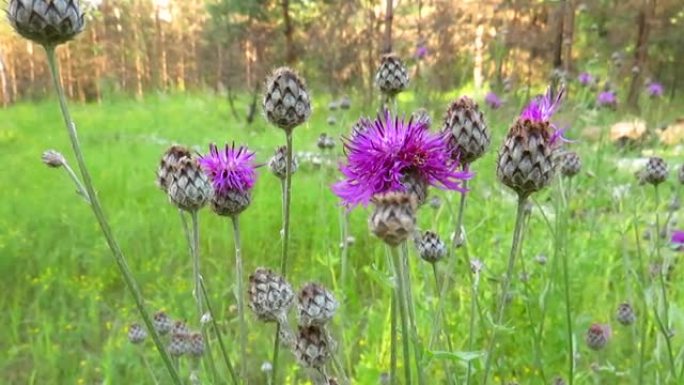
[162,323]
[467,130]
[625,314]
[312,347]
[53,158]
[190,188]
[394,218]
[422,116]
[332,120]
[430,247]
[168,163]
[345,103]
[571,164]
[196,344]
[526,159]
[270,295]
[392,76]
[136,333]
[46,22]
[316,305]
[321,143]
[278,162]
[597,336]
[416,187]
[655,172]
[178,345]
[286,100]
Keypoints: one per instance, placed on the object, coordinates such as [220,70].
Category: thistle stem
[515,248]
[119,258]
[439,318]
[393,339]
[79,186]
[562,232]
[224,352]
[403,313]
[408,298]
[197,292]
[240,299]
[287,189]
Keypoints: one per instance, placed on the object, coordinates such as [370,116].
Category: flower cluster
[383,153]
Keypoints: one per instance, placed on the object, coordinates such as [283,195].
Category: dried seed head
[467,130]
[190,188]
[394,217]
[136,333]
[46,22]
[625,314]
[655,171]
[392,76]
[430,247]
[597,336]
[196,344]
[525,161]
[286,100]
[231,203]
[278,162]
[270,295]
[316,305]
[312,347]
[571,164]
[53,158]
[162,323]
[168,163]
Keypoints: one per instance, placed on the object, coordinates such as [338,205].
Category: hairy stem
[240,297]
[119,258]
[515,248]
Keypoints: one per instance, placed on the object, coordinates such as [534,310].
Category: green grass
[66,310]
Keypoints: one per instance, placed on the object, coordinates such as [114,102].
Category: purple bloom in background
[677,239]
[607,99]
[585,78]
[493,100]
[655,89]
[421,52]
[229,169]
[385,151]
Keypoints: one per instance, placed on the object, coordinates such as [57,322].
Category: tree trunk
[3,80]
[389,16]
[640,52]
[569,34]
[478,78]
[558,47]
[290,55]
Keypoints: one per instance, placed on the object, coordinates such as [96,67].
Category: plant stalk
[239,273]
[408,297]
[515,248]
[403,311]
[562,232]
[119,258]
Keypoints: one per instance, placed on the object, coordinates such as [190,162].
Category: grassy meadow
[66,310]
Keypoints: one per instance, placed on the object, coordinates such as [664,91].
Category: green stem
[197,292]
[642,284]
[403,313]
[287,189]
[240,297]
[79,186]
[119,258]
[566,282]
[515,247]
[408,298]
[224,351]
[393,340]
[440,319]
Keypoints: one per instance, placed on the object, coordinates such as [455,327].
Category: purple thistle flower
[229,169]
[655,89]
[421,52]
[385,151]
[585,78]
[542,108]
[493,100]
[677,238]
[607,99]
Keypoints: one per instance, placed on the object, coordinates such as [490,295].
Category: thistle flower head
[493,100]
[677,237]
[53,158]
[380,154]
[46,22]
[542,108]
[585,78]
[655,89]
[230,169]
[607,99]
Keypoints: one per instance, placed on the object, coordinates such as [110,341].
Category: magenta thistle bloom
[655,89]
[229,169]
[585,78]
[385,151]
[677,238]
[607,99]
[493,100]
[542,108]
